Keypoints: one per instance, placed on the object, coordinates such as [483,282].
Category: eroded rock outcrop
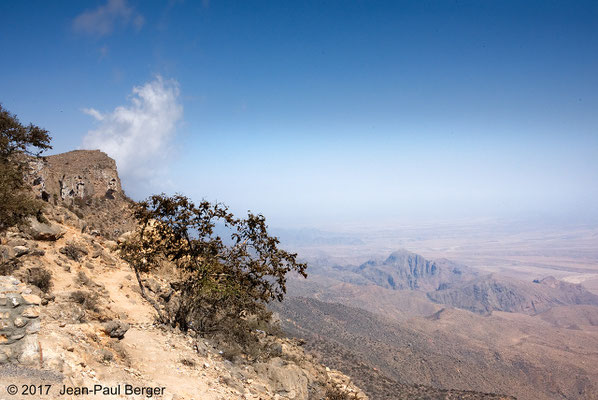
[77,174]
[85,182]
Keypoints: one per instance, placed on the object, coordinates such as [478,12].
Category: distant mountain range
[405,270]
[449,283]
[391,322]
[495,293]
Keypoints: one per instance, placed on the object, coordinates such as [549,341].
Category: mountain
[405,270]
[495,293]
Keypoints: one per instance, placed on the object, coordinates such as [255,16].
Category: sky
[322,113]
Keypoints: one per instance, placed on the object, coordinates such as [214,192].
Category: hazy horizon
[333,115]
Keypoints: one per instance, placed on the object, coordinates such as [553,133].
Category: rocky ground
[95,329]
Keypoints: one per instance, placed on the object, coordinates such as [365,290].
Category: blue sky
[322,113]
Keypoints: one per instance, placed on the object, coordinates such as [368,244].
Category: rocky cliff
[78,174]
[87,183]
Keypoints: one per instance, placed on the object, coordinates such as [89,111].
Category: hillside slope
[90,325]
[451,349]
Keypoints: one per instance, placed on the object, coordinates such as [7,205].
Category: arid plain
[519,249]
[481,310]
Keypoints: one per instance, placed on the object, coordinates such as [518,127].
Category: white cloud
[139,135]
[101,21]
[94,113]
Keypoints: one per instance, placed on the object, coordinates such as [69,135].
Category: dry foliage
[40,277]
[221,285]
[16,140]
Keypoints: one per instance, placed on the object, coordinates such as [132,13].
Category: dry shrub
[40,277]
[106,356]
[83,279]
[74,252]
[7,267]
[88,300]
[187,362]
[334,393]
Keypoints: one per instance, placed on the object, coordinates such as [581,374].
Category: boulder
[44,231]
[116,329]
[6,253]
[20,250]
[30,351]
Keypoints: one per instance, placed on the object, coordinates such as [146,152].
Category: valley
[515,315]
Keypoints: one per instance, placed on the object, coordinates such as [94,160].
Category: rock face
[87,183]
[76,174]
[19,323]
[287,379]
[492,293]
[404,270]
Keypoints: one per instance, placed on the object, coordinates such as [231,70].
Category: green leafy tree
[16,142]
[220,282]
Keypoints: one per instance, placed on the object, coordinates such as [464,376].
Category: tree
[17,142]
[218,281]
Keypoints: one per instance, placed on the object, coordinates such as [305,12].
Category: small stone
[32,299]
[18,336]
[116,329]
[70,348]
[31,312]
[3,339]
[20,250]
[33,327]
[19,322]
[14,302]
[3,301]
[89,265]
[276,350]
[62,324]
[327,369]
[16,242]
